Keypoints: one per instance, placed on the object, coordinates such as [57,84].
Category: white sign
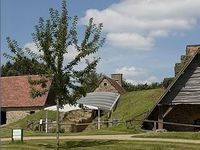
[17,134]
[41,121]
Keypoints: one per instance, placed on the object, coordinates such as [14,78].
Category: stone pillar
[117,78]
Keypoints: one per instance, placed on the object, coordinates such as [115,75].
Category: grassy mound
[135,103]
[130,105]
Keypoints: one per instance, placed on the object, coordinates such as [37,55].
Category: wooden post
[160,117]
[46,121]
[57,125]
[99,119]
[111,118]
[154,125]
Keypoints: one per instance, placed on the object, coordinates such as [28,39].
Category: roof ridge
[18,76]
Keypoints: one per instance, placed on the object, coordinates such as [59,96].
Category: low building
[113,84]
[15,98]
[181,101]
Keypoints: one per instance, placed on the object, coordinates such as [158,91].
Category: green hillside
[135,103]
[130,105]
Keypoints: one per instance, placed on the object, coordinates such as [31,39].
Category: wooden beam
[167,111]
[160,117]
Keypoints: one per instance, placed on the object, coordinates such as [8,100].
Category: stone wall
[12,116]
[105,86]
[185,114]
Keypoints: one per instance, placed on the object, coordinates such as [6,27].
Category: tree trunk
[57,126]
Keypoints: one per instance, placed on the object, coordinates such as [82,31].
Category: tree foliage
[53,38]
[167,81]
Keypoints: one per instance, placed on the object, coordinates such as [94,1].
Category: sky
[144,38]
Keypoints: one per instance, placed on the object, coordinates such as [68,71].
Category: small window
[105,84]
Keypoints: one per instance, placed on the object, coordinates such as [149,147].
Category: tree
[24,66]
[167,81]
[53,38]
[91,81]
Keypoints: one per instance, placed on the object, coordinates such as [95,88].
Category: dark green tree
[91,81]
[25,66]
[53,38]
[167,81]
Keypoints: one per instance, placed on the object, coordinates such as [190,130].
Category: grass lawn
[6,132]
[97,145]
[173,135]
[22,124]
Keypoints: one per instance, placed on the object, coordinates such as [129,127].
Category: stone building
[113,84]
[180,103]
[16,101]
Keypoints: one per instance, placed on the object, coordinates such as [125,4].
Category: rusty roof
[15,92]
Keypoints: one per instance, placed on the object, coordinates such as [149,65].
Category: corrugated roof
[15,92]
[102,100]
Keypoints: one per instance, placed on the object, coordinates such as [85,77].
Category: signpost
[17,134]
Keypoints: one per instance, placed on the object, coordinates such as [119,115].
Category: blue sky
[144,38]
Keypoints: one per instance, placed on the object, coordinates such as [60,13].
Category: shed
[181,101]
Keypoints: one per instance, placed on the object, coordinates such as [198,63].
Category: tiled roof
[15,92]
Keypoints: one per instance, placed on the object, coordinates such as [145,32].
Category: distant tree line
[138,87]
[131,87]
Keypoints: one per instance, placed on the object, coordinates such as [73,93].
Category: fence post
[46,121]
[99,119]
[160,117]
[154,125]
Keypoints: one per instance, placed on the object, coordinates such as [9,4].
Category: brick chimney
[117,78]
[191,49]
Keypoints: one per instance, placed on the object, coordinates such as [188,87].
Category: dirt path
[109,137]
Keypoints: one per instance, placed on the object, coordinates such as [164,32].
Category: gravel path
[109,137]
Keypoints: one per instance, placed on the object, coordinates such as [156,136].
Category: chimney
[117,78]
[191,49]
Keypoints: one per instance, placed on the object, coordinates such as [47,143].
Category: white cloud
[32,47]
[72,52]
[145,19]
[158,33]
[137,75]
[129,41]
[131,71]
[148,80]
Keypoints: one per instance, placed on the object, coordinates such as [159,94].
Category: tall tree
[53,38]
